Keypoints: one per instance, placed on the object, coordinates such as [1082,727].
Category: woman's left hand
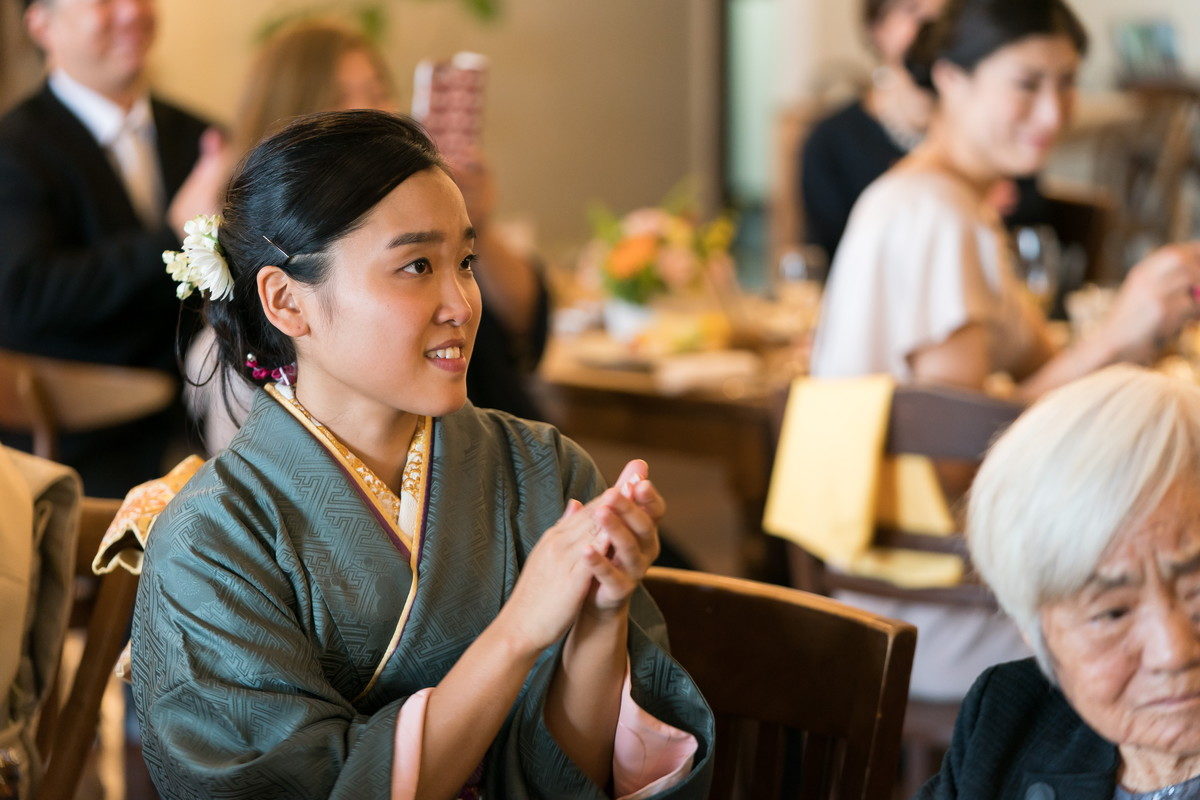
[627,540]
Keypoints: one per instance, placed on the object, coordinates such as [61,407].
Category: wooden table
[736,424]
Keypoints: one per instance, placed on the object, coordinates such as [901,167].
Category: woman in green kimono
[378,590]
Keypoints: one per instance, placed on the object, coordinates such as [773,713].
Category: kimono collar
[402,511]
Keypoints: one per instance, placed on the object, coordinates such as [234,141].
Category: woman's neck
[1147,770]
[948,154]
[378,435]
[898,104]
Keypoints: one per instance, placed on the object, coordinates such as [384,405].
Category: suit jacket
[1017,738]
[80,277]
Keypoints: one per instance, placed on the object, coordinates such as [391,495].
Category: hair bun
[923,53]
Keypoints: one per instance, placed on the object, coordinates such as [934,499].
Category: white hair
[1085,462]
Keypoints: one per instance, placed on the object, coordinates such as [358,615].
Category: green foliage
[639,289]
[682,200]
[484,9]
[371,19]
[604,223]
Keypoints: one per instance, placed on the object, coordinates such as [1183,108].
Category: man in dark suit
[97,177]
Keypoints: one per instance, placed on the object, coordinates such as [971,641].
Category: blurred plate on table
[600,350]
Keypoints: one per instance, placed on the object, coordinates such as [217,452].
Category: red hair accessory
[286,374]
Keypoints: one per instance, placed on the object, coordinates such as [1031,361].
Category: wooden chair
[808,693]
[45,397]
[946,425]
[67,732]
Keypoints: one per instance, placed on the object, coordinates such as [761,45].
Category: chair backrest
[44,397]
[809,694]
[943,424]
[67,732]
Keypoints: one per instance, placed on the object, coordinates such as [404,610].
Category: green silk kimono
[281,624]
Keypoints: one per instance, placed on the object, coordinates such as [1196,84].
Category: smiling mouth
[446,353]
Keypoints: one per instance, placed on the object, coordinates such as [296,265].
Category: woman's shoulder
[847,120]
[226,502]
[524,440]
[912,190]
[1014,717]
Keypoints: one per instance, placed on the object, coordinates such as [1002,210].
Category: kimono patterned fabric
[291,603]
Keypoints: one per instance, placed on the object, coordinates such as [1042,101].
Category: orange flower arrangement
[653,251]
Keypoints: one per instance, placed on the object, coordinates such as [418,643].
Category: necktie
[136,161]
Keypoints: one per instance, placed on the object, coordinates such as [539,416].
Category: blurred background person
[927,290]
[324,65]
[854,145]
[97,176]
[848,149]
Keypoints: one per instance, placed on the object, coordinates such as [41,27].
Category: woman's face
[359,84]
[1126,649]
[1007,114]
[394,322]
[896,28]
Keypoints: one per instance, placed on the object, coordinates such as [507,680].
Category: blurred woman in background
[854,145]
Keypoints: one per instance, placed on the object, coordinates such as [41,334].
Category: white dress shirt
[128,139]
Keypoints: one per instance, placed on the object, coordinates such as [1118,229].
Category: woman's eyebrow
[1188,566]
[425,237]
[1099,584]
[416,237]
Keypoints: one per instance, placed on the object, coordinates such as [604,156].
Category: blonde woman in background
[324,65]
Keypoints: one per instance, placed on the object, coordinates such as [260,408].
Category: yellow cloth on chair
[832,485]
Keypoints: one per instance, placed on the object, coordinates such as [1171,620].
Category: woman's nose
[456,307]
[1053,109]
[1171,638]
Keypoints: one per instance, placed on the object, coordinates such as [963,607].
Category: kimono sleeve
[229,688]
[527,762]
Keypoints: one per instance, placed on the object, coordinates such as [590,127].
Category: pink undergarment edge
[648,754]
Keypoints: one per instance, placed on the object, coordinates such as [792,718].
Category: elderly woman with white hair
[1085,521]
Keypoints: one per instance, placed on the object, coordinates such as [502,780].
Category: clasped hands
[590,561]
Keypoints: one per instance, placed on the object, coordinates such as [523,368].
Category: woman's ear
[948,79]
[277,291]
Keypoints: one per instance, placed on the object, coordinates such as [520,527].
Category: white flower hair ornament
[201,265]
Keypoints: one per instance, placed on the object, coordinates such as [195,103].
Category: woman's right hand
[1156,300]
[556,577]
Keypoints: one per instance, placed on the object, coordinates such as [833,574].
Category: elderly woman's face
[1126,649]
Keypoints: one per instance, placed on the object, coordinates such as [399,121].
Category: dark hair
[292,197]
[874,10]
[968,31]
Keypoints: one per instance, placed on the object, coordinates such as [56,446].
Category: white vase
[625,321]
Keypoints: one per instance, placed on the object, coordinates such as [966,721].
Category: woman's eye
[1110,614]
[419,267]
[468,263]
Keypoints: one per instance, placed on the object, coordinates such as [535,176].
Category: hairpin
[279,249]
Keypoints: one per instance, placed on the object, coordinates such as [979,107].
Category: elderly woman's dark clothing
[1017,738]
